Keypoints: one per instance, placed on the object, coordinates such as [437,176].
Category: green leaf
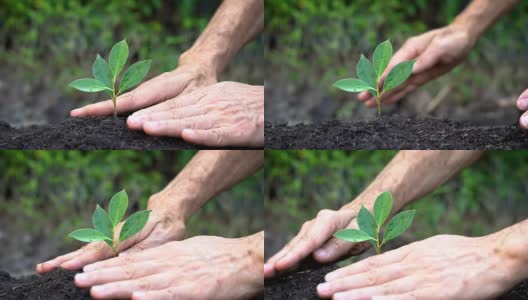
[398,225]
[101,222]
[102,71]
[352,235]
[134,224]
[117,207]
[88,235]
[382,208]
[366,72]
[366,222]
[134,75]
[118,57]
[88,85]
[352,85]
[382,57]
[398,75]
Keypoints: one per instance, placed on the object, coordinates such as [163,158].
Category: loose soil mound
[394,133]
[86,134]
[56,285]
[302,285]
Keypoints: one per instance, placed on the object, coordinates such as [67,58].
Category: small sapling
[105,74]
[105,223]
[370,224]
[370,74]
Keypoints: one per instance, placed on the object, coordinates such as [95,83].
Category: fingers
[336,248]
[366,279]
[174,128]
[56,262]
[524,121]
[122,260]
[269,267]
[78,259]
[321,229]
[371,263]
[151,92]
[211,137]
[522,102]
[124,289]
[178,102]
[123,272]
[185,291]
[136,121]
[400,286]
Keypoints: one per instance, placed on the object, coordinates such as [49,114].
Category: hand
[184,79]
[160,228]
[203,267]
[442,267]
[316,236]
[436,52]
[522,104]
[223,114]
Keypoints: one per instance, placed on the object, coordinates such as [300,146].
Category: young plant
[105,223]
[105,75]
[370,225]
[370,74]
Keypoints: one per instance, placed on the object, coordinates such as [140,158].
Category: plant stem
[114,100]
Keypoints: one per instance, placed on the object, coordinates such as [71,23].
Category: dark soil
[302,285]
[56,285]
[395,133]
[86,134]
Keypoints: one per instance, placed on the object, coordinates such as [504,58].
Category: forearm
[234,24]
[412,174]
[479,15]
[205,176]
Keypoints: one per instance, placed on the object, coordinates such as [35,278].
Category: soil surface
[395,133]
[85,134]
[303,283]
[56,285]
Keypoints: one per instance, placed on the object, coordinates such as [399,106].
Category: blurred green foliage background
[44,195]
[310,44]
[45,44]
[483,198]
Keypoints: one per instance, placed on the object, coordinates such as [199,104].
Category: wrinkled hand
[442,267]
[203,267]
[522,104]
[316,236]
[181,81]
[436,52]
[223,114]
[159,229]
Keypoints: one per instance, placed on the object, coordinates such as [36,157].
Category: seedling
[370,225]
[105,75]
[105,223]
[370,75]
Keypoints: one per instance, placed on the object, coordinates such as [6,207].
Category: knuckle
[371,279]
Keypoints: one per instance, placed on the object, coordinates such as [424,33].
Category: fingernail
[81,278]
[135,120]
[523,103]
[99,290]
[76,112]
[323,288]
[330,276]
[88,268]
[139,295]
[524,121]
[188,133]
[321,253]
